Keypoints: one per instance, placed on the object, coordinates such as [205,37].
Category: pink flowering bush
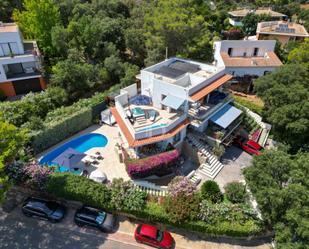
[181,185]
[31,174]
[160,164]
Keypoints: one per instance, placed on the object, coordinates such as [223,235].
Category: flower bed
[161,164]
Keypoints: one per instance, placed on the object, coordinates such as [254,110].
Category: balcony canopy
[172,101]
[226,116]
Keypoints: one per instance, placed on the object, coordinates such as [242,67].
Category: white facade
[18,60]
[159,86]
[248,50]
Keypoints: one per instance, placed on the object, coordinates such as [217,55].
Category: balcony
[152,121]
[219,134]
[21,70]
[215,101]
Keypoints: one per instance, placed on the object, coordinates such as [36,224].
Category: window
[230,51]
[256,51]
[5,49]
[177,138]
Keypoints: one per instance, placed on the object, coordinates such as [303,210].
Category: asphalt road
[20,232]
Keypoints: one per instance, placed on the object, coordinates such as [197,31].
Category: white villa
[246,57]
[236,16]
[174,94]
[20,66]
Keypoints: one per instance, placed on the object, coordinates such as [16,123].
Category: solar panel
[169,72]
[185,66]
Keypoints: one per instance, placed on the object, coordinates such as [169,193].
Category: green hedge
[61,128]
[155,213]
[77,188]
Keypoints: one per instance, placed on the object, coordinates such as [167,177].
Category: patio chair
[96,156]
[152,116]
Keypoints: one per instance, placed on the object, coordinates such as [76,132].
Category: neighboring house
[19,62]
[177,93]
[246,57]
[281,31]
[236,16]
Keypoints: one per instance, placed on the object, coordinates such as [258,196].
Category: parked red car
[152,236]
[249,146]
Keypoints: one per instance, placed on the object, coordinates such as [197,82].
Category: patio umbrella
[98,176]
[70,158]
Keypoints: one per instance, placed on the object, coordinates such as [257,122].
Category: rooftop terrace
[184,73]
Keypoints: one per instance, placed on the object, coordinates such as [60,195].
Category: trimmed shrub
[33,105]
[160,164]
[213,213]
[31,174]
[210,191]
[181,185]
[125,197]
[182,207]
[236,192]
[60,128]
[155,213]
[78,188]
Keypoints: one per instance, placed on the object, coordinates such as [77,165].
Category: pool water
[137,111]
[81,144]
[152,127]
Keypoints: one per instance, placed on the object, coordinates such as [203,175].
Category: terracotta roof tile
[244,12]
[209,88]
[271,28]
[271,60]
[134,142]
[8,27]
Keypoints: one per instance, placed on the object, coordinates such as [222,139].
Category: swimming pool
[81,144]
[138,112]
[152,127]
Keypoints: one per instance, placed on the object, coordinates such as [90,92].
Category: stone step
[214,172]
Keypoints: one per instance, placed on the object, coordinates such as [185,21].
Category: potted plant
[218,150]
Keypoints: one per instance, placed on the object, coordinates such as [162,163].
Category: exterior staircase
[213,166]
[141,120]
[264,126]
[150,188]
[193,177]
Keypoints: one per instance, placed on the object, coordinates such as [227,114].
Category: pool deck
[110,165]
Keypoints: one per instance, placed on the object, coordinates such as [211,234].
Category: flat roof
[269,60]
[282,28]
[177,68]
[259,11]
[134,142]
[8,27]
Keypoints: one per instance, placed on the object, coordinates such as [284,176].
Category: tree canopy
[37,20]
[178,26]
[285,93]
[280,184]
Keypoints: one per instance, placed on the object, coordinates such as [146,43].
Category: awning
[210,87]
[172,101]
[226,116]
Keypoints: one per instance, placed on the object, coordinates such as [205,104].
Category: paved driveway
[20,232]
[234,160]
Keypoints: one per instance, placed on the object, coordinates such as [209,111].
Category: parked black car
[90,216]
[44,209]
